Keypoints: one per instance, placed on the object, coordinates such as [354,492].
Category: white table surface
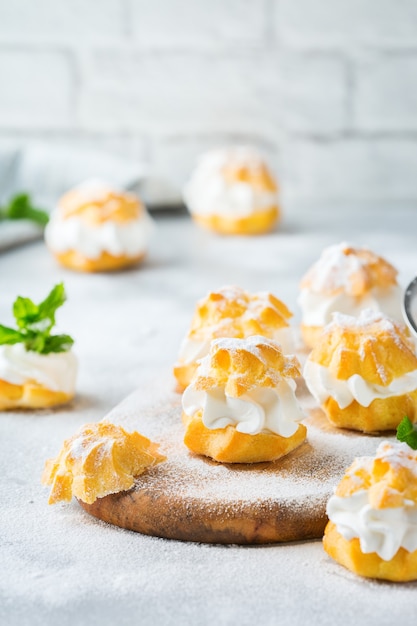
[60,566]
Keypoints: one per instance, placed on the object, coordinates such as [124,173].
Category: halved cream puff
[363,372]
[96,228]
[98,460]
[373,515]
[240,406]
[232,191]
[231,312]
[346,279]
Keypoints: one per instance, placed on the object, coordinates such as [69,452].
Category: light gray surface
[58,565]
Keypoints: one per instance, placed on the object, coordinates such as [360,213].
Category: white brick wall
[179,23]
[36,90]
[357,169]
[314,92]
[328,89]
[346,23]
[386,93]
[176,92]
[70,21]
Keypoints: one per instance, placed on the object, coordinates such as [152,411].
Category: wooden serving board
[192,498]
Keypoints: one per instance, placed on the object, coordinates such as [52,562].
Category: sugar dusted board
[194,499]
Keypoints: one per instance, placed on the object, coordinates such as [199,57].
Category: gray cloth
[46,172]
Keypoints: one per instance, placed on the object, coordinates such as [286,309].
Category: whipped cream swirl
[323,385]
[55,371]
[317,308]
[261,410]
[116,238]
[383,531]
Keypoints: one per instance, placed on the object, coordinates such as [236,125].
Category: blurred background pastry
[347,280]
[363,372]
[232,312]
[96,228]
[373,515]
[241,407]
[232,191]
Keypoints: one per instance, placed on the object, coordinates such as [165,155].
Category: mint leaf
[35,322]
[41,317]
[20,208]
[10,336]
[57,343]
[407,432]
[25,311]
[52,302]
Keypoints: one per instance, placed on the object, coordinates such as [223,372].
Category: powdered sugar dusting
[398,455]
[303,481]
[366,318]
[338,268]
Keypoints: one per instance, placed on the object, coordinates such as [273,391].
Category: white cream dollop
[383,531]
[128,238]
[208,192]
[192,350]
[56,371]
[317,308]
[323,385]
[262,410]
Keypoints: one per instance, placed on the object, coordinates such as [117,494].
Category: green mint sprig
[35,322]
[20,207]
[407,432]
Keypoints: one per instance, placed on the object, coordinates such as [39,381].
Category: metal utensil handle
[409,296]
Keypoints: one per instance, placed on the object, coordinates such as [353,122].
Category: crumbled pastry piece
[373,515]
[231,312]
[232,191]
[96,228]
[240,406]
[346,279]
[363,372]
[99,460]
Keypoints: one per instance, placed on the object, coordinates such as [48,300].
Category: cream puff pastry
[232,191]
[240,406]
[373,515]
[363,372]
[231,312]
[96,228]
[35,381]
[98,460]
[37,368]
[346,280]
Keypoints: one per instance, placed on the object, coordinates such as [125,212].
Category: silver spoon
[410,305]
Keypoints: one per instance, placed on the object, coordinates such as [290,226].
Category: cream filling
[262,410]
[383,531]
[317,308]
[192,350]
[212,195]
[55,371]
[127,238]
[323,385]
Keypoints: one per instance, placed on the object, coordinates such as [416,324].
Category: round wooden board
[192,498]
